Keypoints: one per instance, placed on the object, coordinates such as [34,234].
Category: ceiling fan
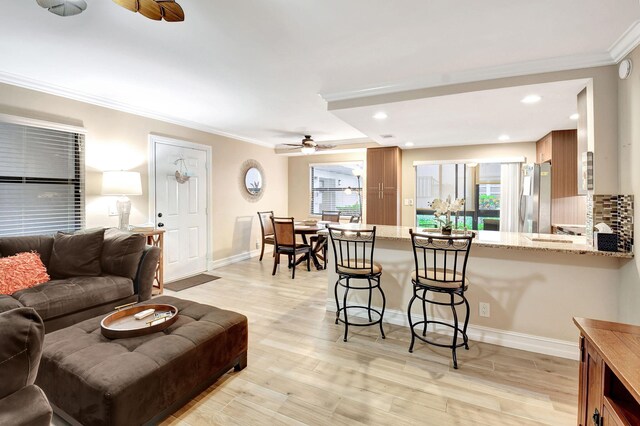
[308,146]
[157,10]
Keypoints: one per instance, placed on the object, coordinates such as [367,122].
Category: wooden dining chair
[285,243]
[331,216]
[266,226]
[319,242]
[354,219]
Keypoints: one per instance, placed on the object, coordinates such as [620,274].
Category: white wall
[118,140]
[629,175]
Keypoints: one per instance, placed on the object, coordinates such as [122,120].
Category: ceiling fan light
[69,8]
[306,150]
[47,4]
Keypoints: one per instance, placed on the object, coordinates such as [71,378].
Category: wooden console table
[156,238]
[609,373]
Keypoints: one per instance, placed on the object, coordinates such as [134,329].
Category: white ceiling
[471,118]
[254,69]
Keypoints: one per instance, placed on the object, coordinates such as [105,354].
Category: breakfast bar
[534,285]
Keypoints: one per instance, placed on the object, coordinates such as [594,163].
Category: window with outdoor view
[41,180]
[479,184]
[336,186]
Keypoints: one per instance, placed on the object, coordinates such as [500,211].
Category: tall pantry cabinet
[384,177]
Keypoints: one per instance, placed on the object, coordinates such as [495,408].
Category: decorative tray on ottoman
[123,324]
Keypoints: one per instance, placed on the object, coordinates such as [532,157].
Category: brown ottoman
[92,380]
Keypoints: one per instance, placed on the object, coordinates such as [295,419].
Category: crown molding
[40,86]
[628,41]
[563,63]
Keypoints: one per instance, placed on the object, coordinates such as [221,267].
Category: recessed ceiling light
[503,138]
[380,115]
[409,144]
[531,99]
[574,116]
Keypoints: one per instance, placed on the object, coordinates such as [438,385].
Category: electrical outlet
[485,309]
[408,201]
[257,244]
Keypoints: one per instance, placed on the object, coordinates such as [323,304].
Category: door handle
[160,224]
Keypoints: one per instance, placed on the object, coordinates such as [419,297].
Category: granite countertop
[505,240]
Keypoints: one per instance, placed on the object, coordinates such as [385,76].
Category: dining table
[303,229]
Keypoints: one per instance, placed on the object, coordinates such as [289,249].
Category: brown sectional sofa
[21,341]
[123,274]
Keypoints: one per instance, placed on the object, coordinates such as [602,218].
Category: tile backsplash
[617,212]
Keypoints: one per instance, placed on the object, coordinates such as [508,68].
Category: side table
[156,238]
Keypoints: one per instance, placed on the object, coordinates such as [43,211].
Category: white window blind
[41,180]
[334,187]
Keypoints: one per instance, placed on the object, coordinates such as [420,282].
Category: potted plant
[443,210]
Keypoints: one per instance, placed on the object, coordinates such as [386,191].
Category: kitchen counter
[535,284]
[505,240]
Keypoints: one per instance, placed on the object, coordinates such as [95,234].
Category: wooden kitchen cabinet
[609,392]
[384,166]
[560,148]
[543,149]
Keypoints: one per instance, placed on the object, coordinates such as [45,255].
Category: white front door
[181,209]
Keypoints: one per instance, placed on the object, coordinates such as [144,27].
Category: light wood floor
[301,372]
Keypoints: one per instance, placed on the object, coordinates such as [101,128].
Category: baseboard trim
[509,339]
[215,264]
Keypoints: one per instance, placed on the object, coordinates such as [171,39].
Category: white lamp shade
[306,150]
[121,183]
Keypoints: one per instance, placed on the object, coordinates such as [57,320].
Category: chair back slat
[284,231]
[331,216]
[441,259]
[353,249]
[354,219]
[265,223]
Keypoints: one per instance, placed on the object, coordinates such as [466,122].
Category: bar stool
[440,267]
[353,254]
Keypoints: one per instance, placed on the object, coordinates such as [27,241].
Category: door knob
[159,214]
[160,224]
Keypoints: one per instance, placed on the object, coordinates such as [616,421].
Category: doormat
[190,282]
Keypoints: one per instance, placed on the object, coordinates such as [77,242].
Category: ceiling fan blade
[49,3]
[171,11]
[131,5]
[324,147]
[151,9]
[299,145]
[69,8]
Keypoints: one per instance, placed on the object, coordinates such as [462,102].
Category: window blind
[334,187]
[41,180]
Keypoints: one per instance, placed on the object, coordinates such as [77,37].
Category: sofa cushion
[76,255]
[66,296]
[43,244]
[21,271]
[27,407]
[21,337]
[121,253]
[7,303]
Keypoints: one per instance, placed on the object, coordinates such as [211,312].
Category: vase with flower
[444,209]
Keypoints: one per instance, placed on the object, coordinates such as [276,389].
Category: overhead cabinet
[384,168]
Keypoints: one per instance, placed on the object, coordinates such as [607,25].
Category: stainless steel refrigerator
[535,198]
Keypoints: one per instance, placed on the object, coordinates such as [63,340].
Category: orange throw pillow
[21,271]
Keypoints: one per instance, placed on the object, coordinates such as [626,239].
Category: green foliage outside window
[489,202]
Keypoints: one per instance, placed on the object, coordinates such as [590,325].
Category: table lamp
[122,183]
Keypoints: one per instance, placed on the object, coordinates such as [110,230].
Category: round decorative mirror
[252,180]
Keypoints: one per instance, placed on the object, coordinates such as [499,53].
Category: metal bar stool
[440,267]
[353,254]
